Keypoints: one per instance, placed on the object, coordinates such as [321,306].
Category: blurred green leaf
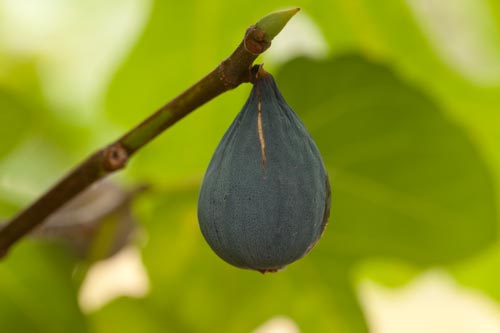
[481,272]
[390,273]
[15,122]
[22,178]
[407,181]
[126,315]
[151,75]
[7,208]
[36,290]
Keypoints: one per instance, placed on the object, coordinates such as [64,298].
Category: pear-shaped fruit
[265,197]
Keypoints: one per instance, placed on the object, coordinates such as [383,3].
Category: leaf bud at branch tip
[273,23]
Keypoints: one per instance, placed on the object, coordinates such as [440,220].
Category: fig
[265,198]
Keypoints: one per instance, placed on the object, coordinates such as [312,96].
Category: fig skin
[265,197]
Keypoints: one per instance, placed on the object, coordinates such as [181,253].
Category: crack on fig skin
[260,130]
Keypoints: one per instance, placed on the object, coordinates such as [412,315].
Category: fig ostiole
[265,198]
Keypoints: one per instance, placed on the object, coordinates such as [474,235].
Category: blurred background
[401,96]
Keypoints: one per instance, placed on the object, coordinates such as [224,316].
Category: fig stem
[229,74]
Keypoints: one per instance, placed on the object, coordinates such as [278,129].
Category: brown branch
[228,75]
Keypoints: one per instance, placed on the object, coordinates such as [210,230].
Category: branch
[228,75]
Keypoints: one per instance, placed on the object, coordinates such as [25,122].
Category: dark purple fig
[265,198]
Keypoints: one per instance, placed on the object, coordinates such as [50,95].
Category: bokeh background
[402,97]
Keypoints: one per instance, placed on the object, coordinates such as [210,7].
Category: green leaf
[390,273]
[36,290]
[138,315]
[407,181]
[273,23]
[23,178]
[15,122]
[481,272]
